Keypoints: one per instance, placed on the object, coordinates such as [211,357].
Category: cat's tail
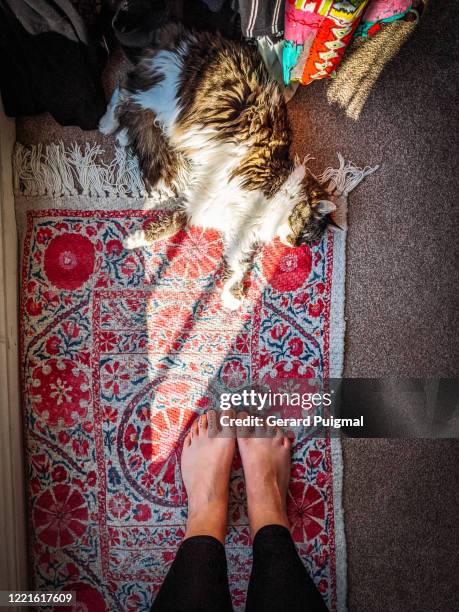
[161,166]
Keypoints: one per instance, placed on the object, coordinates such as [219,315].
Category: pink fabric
[383,9]
[299,22]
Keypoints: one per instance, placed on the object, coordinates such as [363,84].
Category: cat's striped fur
[207,122]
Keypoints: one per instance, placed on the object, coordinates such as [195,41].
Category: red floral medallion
[195,253]
[60,516]
[59,391]
[234,374]
[306,511]
[69,261]
[286,269]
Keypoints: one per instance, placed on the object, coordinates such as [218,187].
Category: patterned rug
[121,350]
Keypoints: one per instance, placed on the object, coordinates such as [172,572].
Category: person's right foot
[266,464]
[206,466]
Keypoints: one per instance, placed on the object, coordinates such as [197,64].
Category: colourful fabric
[303,53]
[328,26]
[121,351]
[290,55]
[381,11]
[327,49]
[300,21]
[318,32]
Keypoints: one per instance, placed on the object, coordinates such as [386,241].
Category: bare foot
[206,466]
[265,456]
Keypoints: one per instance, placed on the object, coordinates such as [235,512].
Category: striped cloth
[262,17]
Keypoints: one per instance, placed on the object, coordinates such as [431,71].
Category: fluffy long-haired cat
[206,121]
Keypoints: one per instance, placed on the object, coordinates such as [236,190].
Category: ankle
[268,518]
[207,521]
[267,506]
[267,515]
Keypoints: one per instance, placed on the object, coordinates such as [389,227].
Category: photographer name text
[272,420]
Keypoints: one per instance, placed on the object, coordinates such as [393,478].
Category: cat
[207,122]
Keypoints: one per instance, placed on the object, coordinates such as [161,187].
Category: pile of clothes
[50,62]
[54,51]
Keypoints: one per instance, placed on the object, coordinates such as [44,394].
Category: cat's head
[308,209]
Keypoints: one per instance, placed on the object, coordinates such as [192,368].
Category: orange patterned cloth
[317,34]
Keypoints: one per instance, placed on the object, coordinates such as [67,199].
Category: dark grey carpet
[400,497]
[402,274]
[401,505]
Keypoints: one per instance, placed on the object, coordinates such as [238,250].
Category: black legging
[197,580]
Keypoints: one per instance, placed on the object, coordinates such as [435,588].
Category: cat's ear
[337,219]
[325,207]
[334,225]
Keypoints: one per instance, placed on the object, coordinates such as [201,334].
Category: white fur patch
[162,98]
[229,300]
[292,186]
[108,123]
[136,240]
[282,233]
[123,137]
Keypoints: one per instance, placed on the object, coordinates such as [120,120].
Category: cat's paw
[165,191]
[136,240]
[108,124]
[122,138]
[229,300]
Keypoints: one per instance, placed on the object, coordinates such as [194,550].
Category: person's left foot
[206,466]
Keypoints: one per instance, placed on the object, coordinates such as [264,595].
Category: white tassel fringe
[341,181]
[62,171]
[57,170]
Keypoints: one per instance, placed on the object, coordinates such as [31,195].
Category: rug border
[337,328]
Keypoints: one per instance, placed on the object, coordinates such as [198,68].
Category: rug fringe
[341,181]
[57,170]
[62,171]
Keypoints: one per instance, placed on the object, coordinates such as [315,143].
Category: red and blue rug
[120,351]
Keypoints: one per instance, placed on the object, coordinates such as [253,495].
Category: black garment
[136,22]
[262,17]
[198,582]
[48,63]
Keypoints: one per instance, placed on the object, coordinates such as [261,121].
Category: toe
[212,422]
[230,430]
[194,428]
[243,431]
[202,423]
[187,440]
